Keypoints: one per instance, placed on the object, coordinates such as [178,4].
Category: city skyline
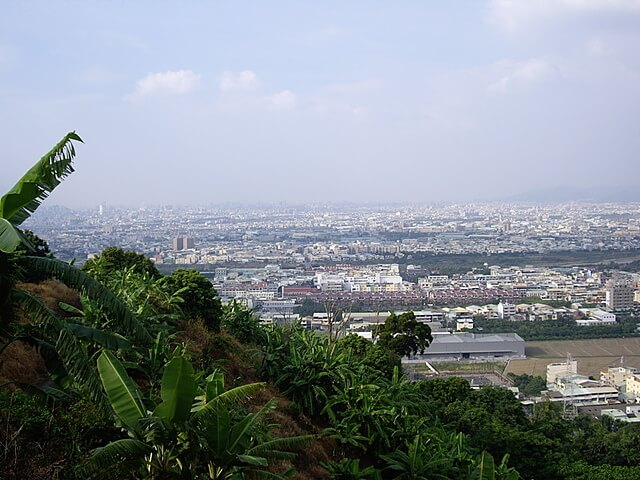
[359,102]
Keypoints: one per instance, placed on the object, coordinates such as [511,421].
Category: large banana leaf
[35,185]
[112,341]
[485,468]
[215,385]
[10,237]
[90,287]
[126,451]
[216,433]
[122,392]
[230,397]
[239,435]
[177,390]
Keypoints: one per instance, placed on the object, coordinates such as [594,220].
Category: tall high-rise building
[620,293]
[183,243]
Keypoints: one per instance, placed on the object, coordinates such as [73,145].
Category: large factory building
[474,346]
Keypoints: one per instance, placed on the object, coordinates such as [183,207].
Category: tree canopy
[403,334]
[200,298]
[115,258]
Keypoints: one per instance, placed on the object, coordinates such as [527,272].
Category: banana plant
[484,468]
[192,433]
[16,206]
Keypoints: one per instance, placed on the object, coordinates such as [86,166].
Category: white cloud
[519,74]
[245,80]
[285,100]
[515,14]
[177,82]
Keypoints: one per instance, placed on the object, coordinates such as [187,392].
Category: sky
[199,102]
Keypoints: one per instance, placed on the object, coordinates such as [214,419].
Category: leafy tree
[403,334]
[530,385]
[440,392]
[200,298]
[309,307]
[581,470]
[371,355]
[116,259]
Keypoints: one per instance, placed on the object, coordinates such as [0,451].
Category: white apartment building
[506,310]
[555,370]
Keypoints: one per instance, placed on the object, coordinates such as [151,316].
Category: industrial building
[476,346]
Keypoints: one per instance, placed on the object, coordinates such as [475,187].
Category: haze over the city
[209,102]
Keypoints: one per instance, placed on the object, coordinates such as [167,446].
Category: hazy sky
[202,101]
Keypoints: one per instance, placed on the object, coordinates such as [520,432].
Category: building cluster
[578,293]
[615,394]
[329,234]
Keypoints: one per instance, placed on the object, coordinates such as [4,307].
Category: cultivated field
[593,355]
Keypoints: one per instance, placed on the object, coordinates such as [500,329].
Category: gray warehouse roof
[473,343]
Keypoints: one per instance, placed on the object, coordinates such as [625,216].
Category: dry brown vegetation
[52,292]
[21,363]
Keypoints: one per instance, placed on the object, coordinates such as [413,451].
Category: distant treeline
[558,329]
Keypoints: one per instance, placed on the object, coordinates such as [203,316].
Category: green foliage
[529,385]
[123,395]
[186,435]
[200,298]
[88,286]
[484,468]
[350,469]
[37,247]
[556,329]
[403,334]
[243,324]
[312,374]
[34,428]
[372,356]
[308,307]
[113,259]
[581,470]
[373,416]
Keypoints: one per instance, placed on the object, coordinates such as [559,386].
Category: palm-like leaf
[90,287]
[277,449]
[122,392]
[230,397]
[35,185]
[126,451]
[112,341]
[238,435]
[74,357]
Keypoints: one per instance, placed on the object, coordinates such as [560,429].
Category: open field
[593,355]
